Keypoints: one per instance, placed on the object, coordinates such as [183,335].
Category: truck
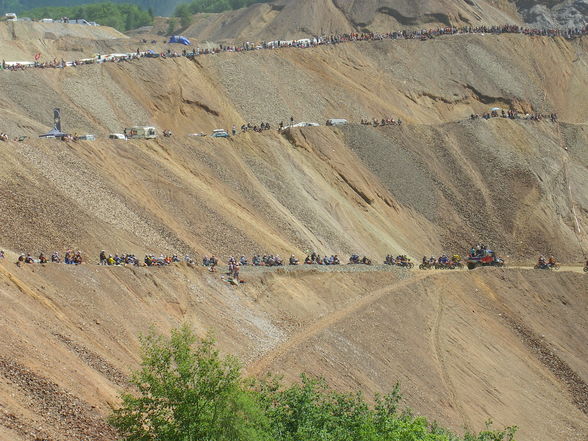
[483,258]
[10,16]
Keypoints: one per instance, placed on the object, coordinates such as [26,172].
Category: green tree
[186,392]
[183,12]
[120,16]
[171,26]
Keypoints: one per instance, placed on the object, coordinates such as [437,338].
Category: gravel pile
[562,371]
[54,406]
[95,361]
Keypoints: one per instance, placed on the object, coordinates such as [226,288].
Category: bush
[185,391]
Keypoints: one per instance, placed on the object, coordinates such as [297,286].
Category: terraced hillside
[437,182]
[505,344]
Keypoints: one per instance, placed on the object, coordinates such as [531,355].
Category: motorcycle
[443,266]
[547,266]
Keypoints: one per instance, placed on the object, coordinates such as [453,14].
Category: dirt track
[447,336]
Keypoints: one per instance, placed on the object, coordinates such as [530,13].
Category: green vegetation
[185,391]
[120,16]
[197,6]
[157,7]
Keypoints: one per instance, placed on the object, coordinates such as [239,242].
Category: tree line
[121,16]
[157,7]
[185,391]
[197,6]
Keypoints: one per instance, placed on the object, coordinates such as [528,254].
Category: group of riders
[403,261]
[550,263]
[148,260]
[444,261]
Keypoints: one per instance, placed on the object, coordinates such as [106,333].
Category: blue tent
[180,40]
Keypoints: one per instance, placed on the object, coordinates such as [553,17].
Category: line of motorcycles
[441,265]
[548,266]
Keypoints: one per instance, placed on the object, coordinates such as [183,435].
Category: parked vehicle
[117,136]
[220,133]
[337,122]
[484,258]
[10,16]
[306,124]
[87,138]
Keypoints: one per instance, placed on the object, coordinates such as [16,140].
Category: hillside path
[316,327]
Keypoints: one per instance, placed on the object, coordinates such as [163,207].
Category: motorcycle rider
[541,261]
[551,262]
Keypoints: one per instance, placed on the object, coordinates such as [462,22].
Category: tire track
[262,364]
[446,378]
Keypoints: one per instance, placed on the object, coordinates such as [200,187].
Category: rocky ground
[505,344]
[466,346]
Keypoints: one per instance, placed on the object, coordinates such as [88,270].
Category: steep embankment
[292,19]
[420,188]
[288,19]
[505,344]
[21,40]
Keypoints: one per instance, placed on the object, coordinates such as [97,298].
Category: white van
[117,136]
[337,122]
[87,138]
[46,20]
[11,16]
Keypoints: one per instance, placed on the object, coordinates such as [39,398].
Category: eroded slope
[454,340]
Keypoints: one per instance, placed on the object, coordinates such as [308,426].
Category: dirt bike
[426,266]
[408,265]
[354,260]
[443,266]
[586,269]
[547,266]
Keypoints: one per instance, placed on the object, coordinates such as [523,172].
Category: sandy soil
[466,346]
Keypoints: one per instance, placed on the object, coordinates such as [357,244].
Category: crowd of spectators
[71,257]
[423,34]
[513,114]
[382,122]
[252,127]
